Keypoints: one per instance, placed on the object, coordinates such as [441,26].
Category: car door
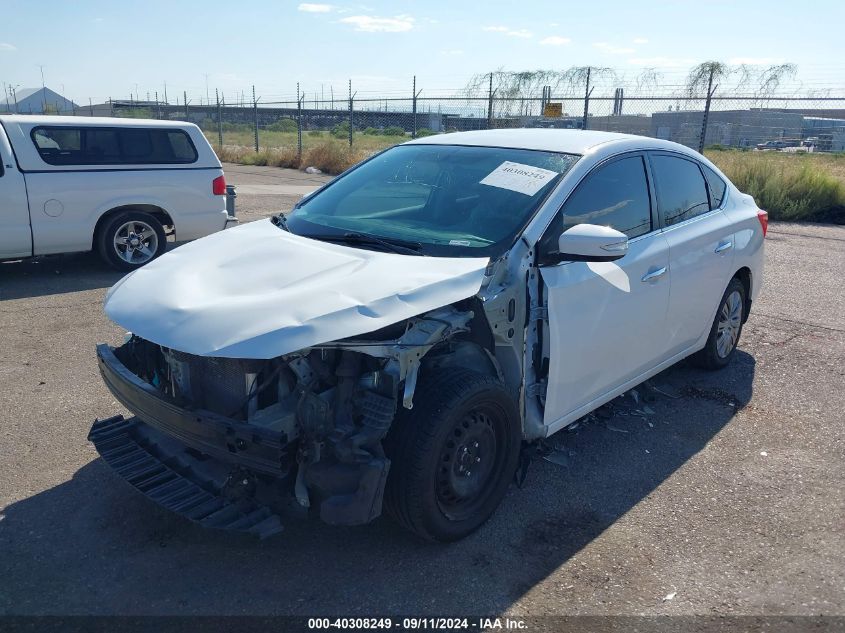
[15,235]
[605,319]
[701,241]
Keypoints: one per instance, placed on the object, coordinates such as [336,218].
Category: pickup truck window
[86,145]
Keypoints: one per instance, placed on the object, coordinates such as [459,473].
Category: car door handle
[654,274]
[723,246]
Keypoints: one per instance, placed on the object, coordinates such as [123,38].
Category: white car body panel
[592,307]
[66,201]
[257,291]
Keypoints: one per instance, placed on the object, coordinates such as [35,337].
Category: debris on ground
[669,596]
[312,170]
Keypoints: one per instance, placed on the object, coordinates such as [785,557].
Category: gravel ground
[728,497]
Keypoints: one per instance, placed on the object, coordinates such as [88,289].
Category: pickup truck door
[606,320]
[15,233]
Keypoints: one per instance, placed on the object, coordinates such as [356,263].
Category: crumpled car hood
[257,291]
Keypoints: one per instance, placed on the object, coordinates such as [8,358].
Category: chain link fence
[294,132]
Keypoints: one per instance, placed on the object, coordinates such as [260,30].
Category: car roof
[36,120]
[551,140]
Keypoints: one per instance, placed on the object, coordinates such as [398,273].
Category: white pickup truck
[113,185]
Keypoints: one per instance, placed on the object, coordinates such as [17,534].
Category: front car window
[614,195]
[453,200]
[681,190]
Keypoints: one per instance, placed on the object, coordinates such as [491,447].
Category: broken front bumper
[252,447]
[347,493]
[178,481]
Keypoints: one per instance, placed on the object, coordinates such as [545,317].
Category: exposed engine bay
[314,419]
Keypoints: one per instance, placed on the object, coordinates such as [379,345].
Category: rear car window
[86,145]
[717,187]
[681,190]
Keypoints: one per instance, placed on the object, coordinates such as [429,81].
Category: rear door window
[87,145]
[717,187]
[681,189]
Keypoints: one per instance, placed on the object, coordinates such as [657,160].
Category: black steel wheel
[453,455]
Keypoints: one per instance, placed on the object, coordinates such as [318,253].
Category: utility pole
[207,98]
[185,97]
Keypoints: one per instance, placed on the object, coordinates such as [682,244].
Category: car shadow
[57,274]
[93,545]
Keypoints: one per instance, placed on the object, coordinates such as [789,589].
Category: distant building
[734,128]
[37,101]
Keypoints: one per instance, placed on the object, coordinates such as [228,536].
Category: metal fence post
[350,113]
[219,119]
[587,92]
[490,104]
[414,108]
[255,116]
[710,91]
[299,99]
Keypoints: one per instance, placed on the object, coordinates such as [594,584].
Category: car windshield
[441,200]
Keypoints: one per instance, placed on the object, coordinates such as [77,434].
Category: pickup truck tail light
[763,216]
[218,186]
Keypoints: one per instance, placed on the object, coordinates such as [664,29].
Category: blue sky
[99,48]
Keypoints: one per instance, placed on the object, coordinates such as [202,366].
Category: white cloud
[555,40]
[5,46]
[508,31]
[662,62]
[613,50]
[640,40]
[308,7]
[370,24]
[755,61]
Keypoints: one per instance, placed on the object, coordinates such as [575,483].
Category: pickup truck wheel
[130,240]
[453,455]
[727,327]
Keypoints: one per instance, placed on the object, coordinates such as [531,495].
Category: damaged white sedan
[399,336]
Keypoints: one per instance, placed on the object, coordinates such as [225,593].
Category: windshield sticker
[460,243]
[518,177]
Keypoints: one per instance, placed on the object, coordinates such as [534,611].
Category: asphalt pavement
[727,498]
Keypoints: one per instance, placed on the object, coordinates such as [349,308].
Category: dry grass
[790,186]
[321,150]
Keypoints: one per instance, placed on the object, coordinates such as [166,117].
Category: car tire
[726,329]
[453,455]
[131,239]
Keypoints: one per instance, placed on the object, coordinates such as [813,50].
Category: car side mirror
[591,243]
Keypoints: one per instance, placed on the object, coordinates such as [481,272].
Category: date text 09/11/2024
[429,623]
